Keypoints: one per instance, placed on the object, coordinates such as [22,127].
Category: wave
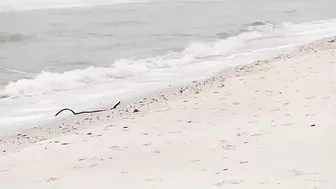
[259,36]
[16,71]
[258,26]
[6,37]
[254,26]
[47,82]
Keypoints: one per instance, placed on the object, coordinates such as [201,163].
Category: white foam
[271,37]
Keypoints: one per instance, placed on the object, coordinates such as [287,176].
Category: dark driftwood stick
[115,106]
[86,112]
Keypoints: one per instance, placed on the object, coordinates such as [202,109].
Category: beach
[263,124]
[84,54]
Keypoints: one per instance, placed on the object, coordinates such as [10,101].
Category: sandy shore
[269,124]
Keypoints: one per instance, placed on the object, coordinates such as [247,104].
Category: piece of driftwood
[86,112]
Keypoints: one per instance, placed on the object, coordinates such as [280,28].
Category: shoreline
[147,101]
[268,124]
[35,97]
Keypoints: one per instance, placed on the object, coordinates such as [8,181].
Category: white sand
[264,125]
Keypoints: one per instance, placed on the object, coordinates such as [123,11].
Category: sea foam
[254,37]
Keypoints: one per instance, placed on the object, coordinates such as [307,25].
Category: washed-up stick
[87,112]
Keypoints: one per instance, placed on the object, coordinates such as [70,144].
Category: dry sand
[270,124]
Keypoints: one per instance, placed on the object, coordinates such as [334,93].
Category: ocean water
[87,53]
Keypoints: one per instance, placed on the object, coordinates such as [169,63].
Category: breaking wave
[47,82]
[196,52]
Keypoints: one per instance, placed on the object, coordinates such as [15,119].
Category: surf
[256,37]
